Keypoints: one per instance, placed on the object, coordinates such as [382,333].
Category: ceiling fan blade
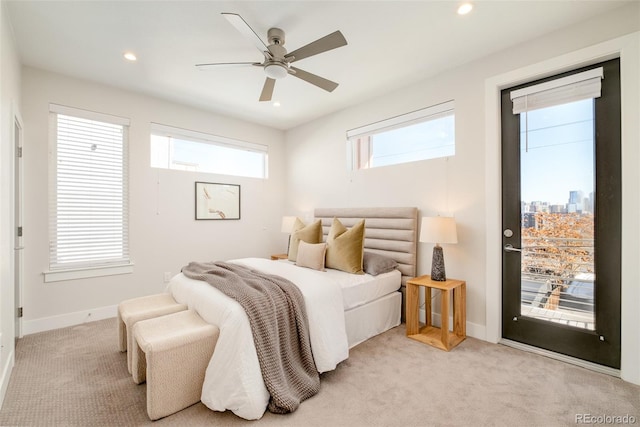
[205,67]
[244,28]
[267,89]
[321,82]
[331,41]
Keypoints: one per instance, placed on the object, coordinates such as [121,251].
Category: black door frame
[603,345]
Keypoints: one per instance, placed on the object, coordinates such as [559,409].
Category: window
[424,134]
[88,194]
[181,149]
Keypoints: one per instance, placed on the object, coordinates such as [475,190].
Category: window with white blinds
[89,190]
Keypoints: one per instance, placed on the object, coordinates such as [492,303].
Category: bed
[343,309]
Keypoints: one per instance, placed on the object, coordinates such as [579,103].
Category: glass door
[557,176]
[561,216]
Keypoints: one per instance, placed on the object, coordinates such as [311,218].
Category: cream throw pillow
[311,233]
[345,248]
[311,255]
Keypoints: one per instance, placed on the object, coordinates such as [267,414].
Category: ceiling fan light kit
[275,70]
[277,62]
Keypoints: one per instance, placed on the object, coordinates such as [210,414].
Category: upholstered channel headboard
[392,232]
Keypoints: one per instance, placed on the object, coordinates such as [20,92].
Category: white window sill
[83,273]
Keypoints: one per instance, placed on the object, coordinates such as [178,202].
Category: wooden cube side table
[279,256]
[441,337]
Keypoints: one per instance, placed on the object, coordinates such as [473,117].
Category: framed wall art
[217,201]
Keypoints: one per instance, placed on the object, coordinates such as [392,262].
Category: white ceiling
[391,44]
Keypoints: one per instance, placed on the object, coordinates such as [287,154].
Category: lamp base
[437,265]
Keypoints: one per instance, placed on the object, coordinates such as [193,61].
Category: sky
[558,155]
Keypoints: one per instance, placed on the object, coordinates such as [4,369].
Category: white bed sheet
[361,289]
[376,317]
[233,380]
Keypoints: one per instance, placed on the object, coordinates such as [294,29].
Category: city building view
[558,260]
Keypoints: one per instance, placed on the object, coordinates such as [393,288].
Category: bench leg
[138,364]
[122,334]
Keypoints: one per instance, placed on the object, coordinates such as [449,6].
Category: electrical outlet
[167,276]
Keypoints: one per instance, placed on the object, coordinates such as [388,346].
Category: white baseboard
[6,375]
[69,319]
[472,329]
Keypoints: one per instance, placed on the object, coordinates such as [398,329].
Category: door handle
[18,248]
[509,248]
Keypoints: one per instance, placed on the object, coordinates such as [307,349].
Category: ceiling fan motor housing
[275,36]
[276,67]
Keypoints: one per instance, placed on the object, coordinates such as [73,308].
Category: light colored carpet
[77,377]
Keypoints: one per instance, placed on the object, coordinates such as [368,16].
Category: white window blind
[575,87]
[89,224]
[404,120]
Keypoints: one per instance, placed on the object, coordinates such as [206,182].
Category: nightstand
[279,256]
[441,337]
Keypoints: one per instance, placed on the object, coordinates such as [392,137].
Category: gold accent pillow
[345,248]
[311,255]
[311,233]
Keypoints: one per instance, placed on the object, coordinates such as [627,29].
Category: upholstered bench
[136,309]
[172,353]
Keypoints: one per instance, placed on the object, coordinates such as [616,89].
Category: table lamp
[287,226]
[438,229]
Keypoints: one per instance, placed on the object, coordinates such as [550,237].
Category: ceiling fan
[277,62]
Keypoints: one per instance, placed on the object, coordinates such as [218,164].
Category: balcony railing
[557,279]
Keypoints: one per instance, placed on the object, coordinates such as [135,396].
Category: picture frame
[217,201]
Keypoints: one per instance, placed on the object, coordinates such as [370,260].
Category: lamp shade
[287,223]
[438,229]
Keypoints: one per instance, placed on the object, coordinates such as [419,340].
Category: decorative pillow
[375,264]
[311,255]
[311,233]
[345,247]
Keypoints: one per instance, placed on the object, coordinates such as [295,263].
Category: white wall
[318,176]
[9,106]
[164,235]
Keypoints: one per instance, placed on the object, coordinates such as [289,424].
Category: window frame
[360,141]
[159,129]
[85,269]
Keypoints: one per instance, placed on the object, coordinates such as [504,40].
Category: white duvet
[233,380]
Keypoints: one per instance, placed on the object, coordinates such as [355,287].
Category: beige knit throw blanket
[279,324]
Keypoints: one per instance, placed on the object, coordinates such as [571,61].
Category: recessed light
[465,8]
[130,56]
[276,103]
